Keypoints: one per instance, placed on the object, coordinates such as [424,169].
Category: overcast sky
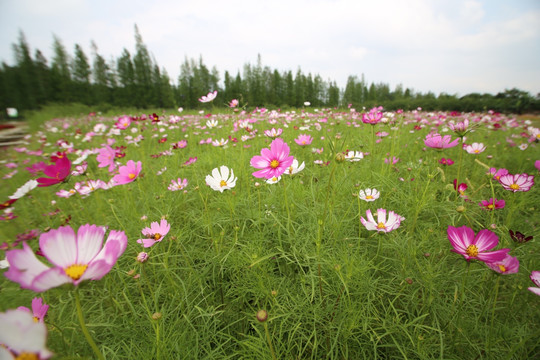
[457,46]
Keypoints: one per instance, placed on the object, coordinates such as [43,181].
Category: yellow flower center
[381,226]
[514,187]
[156,236]
[222,183]
[290,169]
[369,197]
[477,151]
[490,206]
[36,319]
[27,356]
[131,176]
[75,271]
[274,164]
[502,268]
[472,250]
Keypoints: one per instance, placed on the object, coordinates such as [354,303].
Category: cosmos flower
[39,309]
[508,265]
[382,224]
[497,173]
[295,168]
[179,184]
[372,117]
[26,338]
[518,182]
[475,148]
[303,140]
[233,103]
[212,123]
[460,188]
[74,257]
[273,180]
[155,233]
[208,98]
[354,156]
[395,160]
[190,161]
[222,178]
[56,172]
[437,141]
[274,161]
[369,194]
[220,143]
[476,247]
[535,277]
[273,133]
[492,204]
[25,189]
[123,122]
[519,237]
[128,173]
[460,128]
[448,162]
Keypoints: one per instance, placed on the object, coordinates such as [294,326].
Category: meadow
[294,262]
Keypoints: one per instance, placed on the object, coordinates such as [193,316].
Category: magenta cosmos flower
[535,277]
[372,117]
[475,247]
[128,173]
[74,257]
[508,265]
[492,204]
[437,141]
[497,173]
[382,224]
[123,122]
[518,182]
[39,309]
[274,161]
[56,173]
[155,233]
[303,140]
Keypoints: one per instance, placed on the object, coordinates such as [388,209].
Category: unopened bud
[340,157]
[262,315]
[460,209]
[142,257]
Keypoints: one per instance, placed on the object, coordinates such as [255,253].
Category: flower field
[307,234]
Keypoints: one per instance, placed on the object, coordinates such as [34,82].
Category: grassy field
[297,249]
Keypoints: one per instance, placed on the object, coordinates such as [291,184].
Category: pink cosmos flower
[190,161]
[180,145]
[497,173]
[274,161]
[492,204]
[437,141]
[24,338]
[155,233]
[273,133]
[178,184]
[508,265]
[448,162]
[372,117]
[123,122]
[106,157]
[475,148]
[460,128]
[234,103]
[394,160]
[537,165]
[128,173]
[476,247]
[518,182]
[39,309]
[208,98]
[56,173]
[460,188]
[74,257]
[535,277]
[382,224]
[303,140]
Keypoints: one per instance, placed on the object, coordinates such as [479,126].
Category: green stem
[493,309]
[269,341]
[287,207]
[83,327]
[459,166]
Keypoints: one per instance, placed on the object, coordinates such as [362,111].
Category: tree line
[136,80]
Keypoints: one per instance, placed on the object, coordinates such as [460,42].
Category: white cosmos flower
[4,264]
[354,156]
[25,189]
[212,123]
[222,178]
[273,180]
[25,337]
[369,194]
[475,148]
[295,168]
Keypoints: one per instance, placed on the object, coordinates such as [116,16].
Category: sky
[453,46]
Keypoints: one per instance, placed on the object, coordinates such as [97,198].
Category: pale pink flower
[273,133]
[74,257]
[475,148]
[535,277]
[22,337]
[39,309]
[497,173]
[508,265]
[437,141]
[155,233]
[518,182]
[128,173]
[208,98]
[106,157]
[234,103]
[383,224]
[219,143]
[179,184]
[303,140]
[123,122]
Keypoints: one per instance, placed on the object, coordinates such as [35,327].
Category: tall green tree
[60,72]
[101,77]
[81,76]
[126,80]
[142,64]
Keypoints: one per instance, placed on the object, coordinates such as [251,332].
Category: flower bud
[340,157]
[142,257]
[262,315]
[460,209]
